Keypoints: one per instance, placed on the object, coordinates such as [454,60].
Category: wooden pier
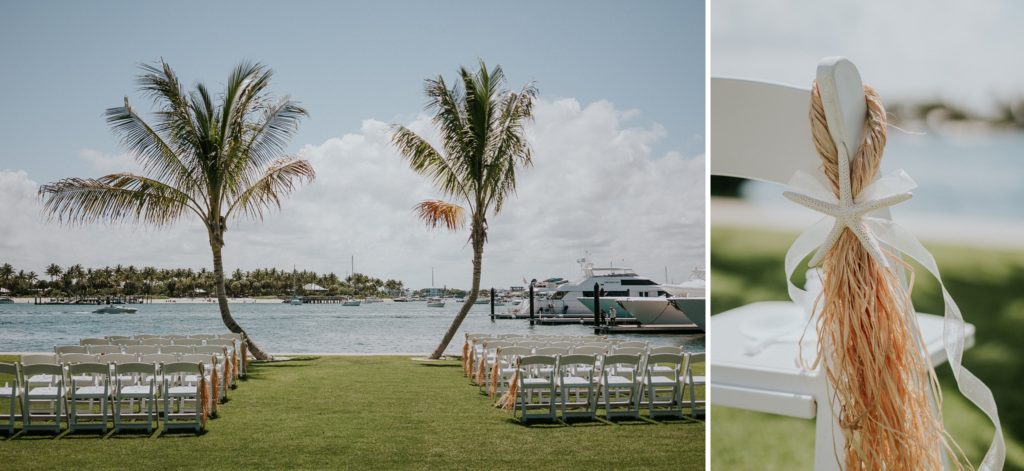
[90,300]
[319,299]
[649,329]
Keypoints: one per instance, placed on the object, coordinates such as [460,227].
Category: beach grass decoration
[245,355]
[507,401]
[883,385]
[204,397]
[465,354]
[481,372]
[492,387]
[215,386]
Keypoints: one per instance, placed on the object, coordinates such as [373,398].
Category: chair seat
[617,381]
[36,379]
[44,392]
[135,391]
[182,390]
[699,380]
[661,380]
[575,381]
[536,382]
[90,391]
[9,391]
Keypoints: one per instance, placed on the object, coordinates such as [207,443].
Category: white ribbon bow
[873,232]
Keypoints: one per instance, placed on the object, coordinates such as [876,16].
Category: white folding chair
[536,391]
[49,395]
[176,349]
[211,363]
[90,384]
[576,388]
[662,384]
[619,388]
[11,391]
[104,349]
[160,341]
[125,342]
[691,382]
[135,386]
[178,394]
[505,368]
[142,349]
[38,379]
[70,349]
[761,131]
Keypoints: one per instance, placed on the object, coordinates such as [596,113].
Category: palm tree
[482,147]
[215,161]
[53,270]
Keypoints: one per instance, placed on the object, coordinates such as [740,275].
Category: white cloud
[594,186]
[107,163]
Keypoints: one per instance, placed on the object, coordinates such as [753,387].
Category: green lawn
[381,412]
[747,266]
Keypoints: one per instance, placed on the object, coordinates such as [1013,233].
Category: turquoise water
[369,328]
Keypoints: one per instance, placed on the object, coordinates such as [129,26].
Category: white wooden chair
[142,349]
[70,349]
[761,131]
[11,391]
[536,391]
[38,378]
[104,349]
[506,358]
[662,384]
[576,389]
[619,386]
[211,362]
[90,384]
[135,385]
[691,382]
[49,395]
[176,349]
[179,394]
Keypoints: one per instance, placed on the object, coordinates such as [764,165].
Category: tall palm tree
[53,270]
[482,147]
[216,161]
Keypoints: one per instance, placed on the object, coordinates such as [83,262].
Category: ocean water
[310,328]
[976,174]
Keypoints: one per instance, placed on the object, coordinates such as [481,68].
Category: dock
[91,300]
[649,329]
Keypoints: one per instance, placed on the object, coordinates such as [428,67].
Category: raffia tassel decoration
[234,366]
[481,372]
[204,398]
[869,342]
[465,354]
[469,364]
[508,400]
[492,387]
[215,390]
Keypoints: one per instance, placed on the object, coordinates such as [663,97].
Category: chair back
[104,349]
[204,336]
[204,358]
[673,361]
[125,342]
[621,359]
[189,341]
[177,336]
[72,358]
[211,350]
[70,349]
[116,337]
[10,369]
[120,358]
[576,363]
[551,351]
[93,369]
[181,367]
[222,343]
[154,358]
[135,368]
[154,341]
[176,349]
[43,369]
[149,336]
[33,359]
[94,341]
[628,351]
[142,349]
[668,349]
[589,350]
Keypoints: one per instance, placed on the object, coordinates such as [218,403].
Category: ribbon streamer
[900,241]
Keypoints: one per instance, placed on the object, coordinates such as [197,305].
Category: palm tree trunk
[478,255]
[222,301]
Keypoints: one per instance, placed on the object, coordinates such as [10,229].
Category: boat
[112,309]
[351,302]
[694,308]
[435,302]
[372,300]
[482,301]
[6,300]
[295,300]
[695,287]
[401,300]
[614,282]
[661,311]
[606,305]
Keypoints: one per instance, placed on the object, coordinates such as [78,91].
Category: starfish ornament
[848,214]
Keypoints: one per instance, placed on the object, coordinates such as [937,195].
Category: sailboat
[296,300]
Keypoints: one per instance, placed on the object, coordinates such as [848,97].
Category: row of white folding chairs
[220,366]
[227,345]
[497,368]
[621,384]
[482,352]
[234,342]
[123,342]
[90,395]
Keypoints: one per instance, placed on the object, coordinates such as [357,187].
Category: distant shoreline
[23,300]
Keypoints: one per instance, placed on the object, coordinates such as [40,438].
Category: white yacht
[695,287]
[614,282]
[665,311]
[435,302]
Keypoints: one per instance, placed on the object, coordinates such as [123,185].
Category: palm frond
[120,197]
[280,179]
[427,161]
[153,153]
[268,137]
[441,213]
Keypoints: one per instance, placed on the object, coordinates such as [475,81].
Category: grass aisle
[382,412]
[747,266]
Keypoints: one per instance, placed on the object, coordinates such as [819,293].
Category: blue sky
[619,132]
[66,62]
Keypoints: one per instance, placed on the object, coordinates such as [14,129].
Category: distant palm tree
[213,160]
[482,147]
[53,270]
